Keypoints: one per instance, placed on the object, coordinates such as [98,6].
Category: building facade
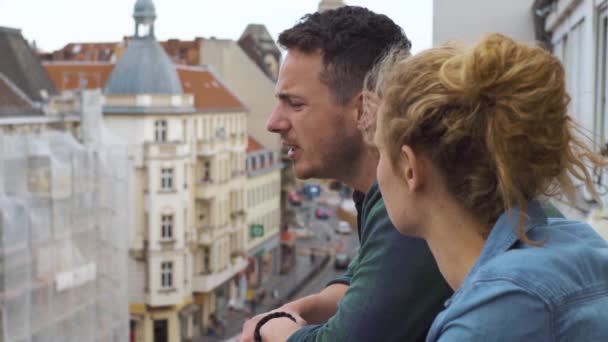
[63,250]
[187,137]
[576,32]
[263,214]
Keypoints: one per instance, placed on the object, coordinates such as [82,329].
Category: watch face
[272,65]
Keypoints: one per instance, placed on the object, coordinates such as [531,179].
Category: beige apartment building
[187,137]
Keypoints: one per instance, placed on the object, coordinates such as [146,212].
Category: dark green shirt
[395,289]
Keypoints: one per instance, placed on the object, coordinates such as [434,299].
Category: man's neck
[363,173]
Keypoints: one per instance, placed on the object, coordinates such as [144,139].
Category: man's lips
[292,150]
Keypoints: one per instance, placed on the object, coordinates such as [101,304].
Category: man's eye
[297,105]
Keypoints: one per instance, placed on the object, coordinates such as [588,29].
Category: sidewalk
[287,285]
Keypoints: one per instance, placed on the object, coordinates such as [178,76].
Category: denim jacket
[519,292]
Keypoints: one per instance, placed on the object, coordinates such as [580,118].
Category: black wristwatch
[257,337]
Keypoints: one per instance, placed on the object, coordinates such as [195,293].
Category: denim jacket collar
[504,235]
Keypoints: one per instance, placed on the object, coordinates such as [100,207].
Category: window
[166,179]
[166,226]
[270,159]
[185,176]
[253,164]
[184,130]
[160,131]
[166,274]
[207,171]
[262,161]
[206,257]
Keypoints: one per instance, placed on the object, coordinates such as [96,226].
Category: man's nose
[278,121]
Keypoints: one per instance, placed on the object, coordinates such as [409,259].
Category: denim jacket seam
[531,290]
[582,296]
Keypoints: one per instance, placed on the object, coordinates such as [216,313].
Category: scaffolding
[63,239]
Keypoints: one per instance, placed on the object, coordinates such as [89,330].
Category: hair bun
[490,67]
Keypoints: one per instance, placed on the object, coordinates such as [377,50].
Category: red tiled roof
[210,93]
[78,75]
[253,145]
[86,51]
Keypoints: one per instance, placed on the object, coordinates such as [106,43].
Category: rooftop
[20,65]
[144,68]
[210,92]
[13,102]
[253,145]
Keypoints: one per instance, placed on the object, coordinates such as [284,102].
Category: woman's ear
[412,168]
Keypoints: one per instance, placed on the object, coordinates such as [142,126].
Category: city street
[322,240]
[319,243]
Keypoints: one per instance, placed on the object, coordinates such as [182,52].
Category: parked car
[322,214]
[311,191]
[343,228]
[294,198]
[341,261]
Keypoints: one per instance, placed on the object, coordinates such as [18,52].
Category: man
[392,290]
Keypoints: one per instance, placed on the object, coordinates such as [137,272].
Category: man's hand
[250,324]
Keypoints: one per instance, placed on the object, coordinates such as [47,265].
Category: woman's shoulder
[570,258]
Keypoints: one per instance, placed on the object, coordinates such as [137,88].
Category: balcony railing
[208,282]
[165,149]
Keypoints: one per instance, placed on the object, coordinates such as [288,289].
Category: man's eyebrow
[288,97]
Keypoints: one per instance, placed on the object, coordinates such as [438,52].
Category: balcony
[208,282]
[211,147]
[208,234]
[169,149]
[165,297]
[206,189]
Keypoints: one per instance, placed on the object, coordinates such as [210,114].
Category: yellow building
[263,213]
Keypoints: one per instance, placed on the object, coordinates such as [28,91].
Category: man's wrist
[278,329]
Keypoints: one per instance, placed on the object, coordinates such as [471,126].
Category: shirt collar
[358,197]
[504,233]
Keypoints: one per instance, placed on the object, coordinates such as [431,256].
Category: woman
[469,140]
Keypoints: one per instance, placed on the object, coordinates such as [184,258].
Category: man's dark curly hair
[351,39]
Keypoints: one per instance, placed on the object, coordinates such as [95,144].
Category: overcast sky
[54,23]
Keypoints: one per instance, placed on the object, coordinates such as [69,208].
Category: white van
[344,228]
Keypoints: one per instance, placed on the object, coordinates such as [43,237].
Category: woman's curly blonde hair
[492,117]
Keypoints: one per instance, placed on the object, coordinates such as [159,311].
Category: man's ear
[412,168]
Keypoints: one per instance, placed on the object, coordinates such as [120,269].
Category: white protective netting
[63,239]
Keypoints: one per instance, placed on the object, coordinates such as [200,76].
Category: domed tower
[144,14]
[144,67]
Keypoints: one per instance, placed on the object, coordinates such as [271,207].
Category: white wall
[467,20]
